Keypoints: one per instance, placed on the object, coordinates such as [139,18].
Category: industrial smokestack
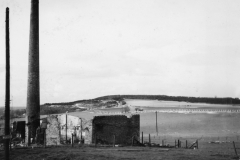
[33,91]
[7,98]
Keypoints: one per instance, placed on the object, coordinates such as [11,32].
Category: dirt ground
[206,151]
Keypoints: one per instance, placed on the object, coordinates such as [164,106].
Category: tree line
[211,100]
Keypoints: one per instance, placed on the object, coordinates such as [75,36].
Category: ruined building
[118,127]
[108,129]
[60,128]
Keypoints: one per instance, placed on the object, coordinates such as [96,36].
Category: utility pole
[81,129]
[7,96]
[66,127]
[33,89]
[156,124]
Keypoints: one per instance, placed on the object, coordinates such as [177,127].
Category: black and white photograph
[119,79]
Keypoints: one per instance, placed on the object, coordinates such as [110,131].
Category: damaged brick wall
[87,131]
[52,131]
[124,128]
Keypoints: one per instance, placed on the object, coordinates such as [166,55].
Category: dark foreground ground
[206,151]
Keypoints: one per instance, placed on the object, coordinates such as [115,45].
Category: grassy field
[205,152]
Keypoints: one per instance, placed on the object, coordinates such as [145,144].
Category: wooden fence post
[175,143]
[149,139]
[66,128]
[44,138]
[186,144]
[235,148]
[142,137]
[72,140]
[197,143]
[133,140]
[113,140]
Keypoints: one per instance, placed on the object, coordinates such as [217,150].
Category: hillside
[114,101]
[101,101]
[211,100]
[111,101]
[76,106]
[81,105]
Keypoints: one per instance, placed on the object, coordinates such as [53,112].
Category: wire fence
[183,142]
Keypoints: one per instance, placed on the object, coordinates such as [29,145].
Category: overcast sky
[92,48]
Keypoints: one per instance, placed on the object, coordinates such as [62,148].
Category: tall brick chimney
[33,91]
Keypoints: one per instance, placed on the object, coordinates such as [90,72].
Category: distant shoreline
[17,107]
